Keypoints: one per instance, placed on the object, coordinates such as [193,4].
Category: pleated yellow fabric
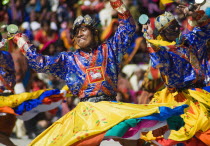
[197,115]
[158,43]
[16,99]
[162,3]
[88,119]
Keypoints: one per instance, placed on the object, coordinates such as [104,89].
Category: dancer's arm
[123,36]
[42,63]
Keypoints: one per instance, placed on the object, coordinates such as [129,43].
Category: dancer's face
[84,37]
[171,32]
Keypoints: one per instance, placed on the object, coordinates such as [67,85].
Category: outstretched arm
[123,36]
[194,16]
[198,24]
[39,62]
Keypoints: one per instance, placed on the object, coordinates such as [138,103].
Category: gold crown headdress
[84,21]
[163,20]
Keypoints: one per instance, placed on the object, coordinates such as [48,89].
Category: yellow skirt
[16,99]
[88,119]
[197,116]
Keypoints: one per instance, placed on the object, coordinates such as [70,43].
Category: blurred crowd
[48,25]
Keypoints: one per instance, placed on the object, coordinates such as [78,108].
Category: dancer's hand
[147,28]
[2,44]
[118,5]
[20,39]
[189,10]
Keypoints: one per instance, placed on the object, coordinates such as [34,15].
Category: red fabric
[7,109]
[125,15]
[152,21]
[53,98]
[204,136]
[47,45]
[155,73]
[16,37]
[94,140]
[41,36]
[166,142]
[53,111]
[192,142]
[116,4]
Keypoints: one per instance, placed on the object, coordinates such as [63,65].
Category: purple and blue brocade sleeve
[123,36]
[7,69]
[46,64]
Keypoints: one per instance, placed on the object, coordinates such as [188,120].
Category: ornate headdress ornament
[86,21]
[163,20]
[83,21]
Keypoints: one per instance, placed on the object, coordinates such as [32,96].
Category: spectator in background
[109,30]
[105,19]
[16,12]
[4,19]
[150,8]
[151,83]
[45,34]
[37,84]
[124,89]
[91,7]
[134,9]
[208,11]
[65,36]
[35,27]
[64,12]
[25,28]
